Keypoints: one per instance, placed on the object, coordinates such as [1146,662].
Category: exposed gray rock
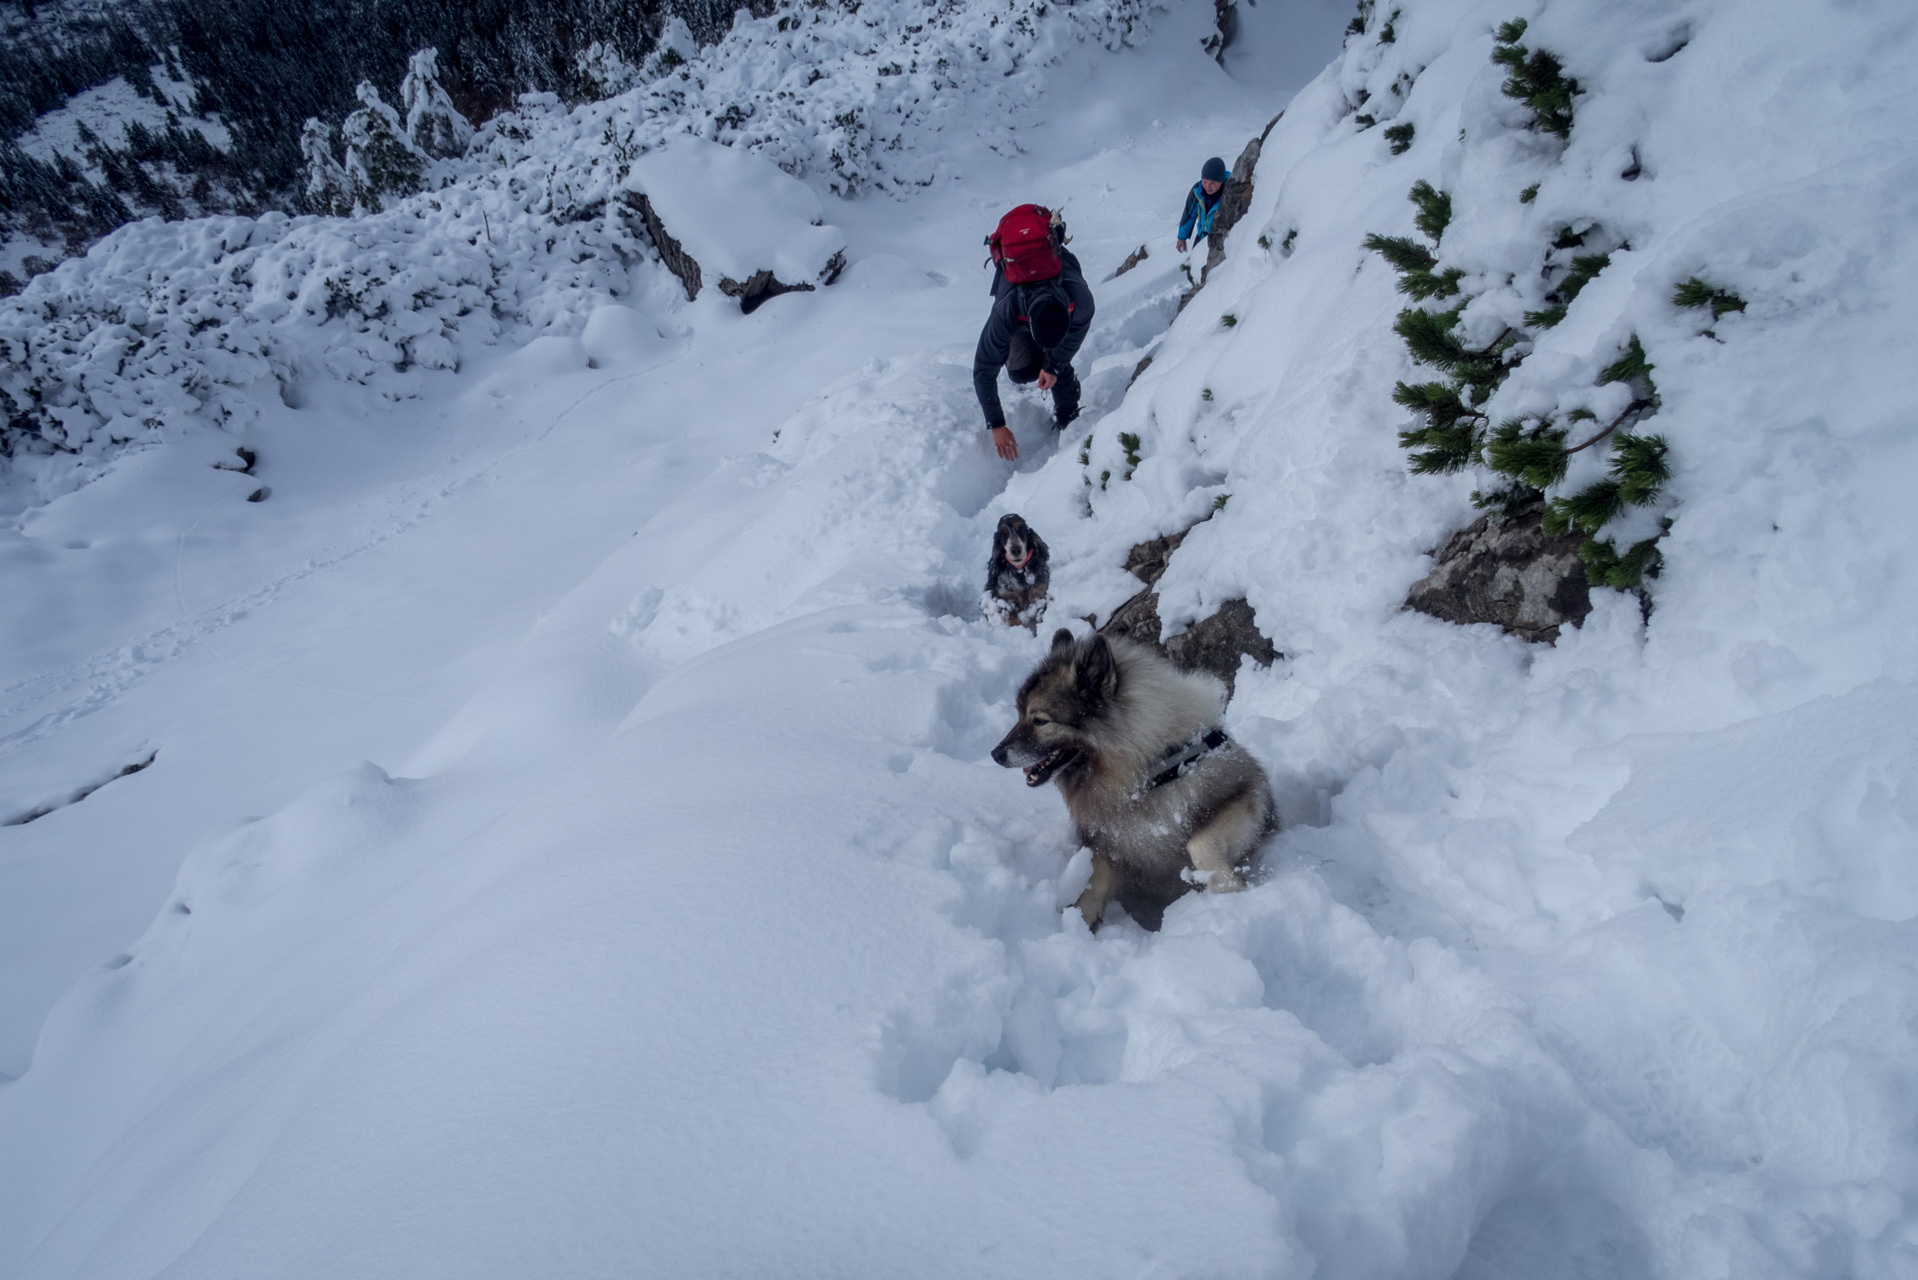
[1225,31]
[677,260]
[1509,572]
[1132,260]
[1213,644]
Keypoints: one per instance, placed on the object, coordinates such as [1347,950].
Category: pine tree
[433,124]
[327,188]
[379,161]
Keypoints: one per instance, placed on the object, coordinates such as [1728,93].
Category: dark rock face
[1225,32]
[1214,644]
[677,260]
[1511,573]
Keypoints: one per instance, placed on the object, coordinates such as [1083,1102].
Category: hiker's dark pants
[1065,396]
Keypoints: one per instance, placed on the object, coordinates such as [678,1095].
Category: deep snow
[570,845]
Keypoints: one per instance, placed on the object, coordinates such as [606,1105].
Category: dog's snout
[999,754]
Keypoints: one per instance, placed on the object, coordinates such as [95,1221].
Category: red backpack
[1023,245]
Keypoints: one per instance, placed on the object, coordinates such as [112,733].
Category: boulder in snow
[1510,572]
[722,215]
[1213,644]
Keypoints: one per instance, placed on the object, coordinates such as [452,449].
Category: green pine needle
[1404,253]
[1537,458]
[1697,293]
[1639,464]
[1400,136]
[1627,367]
[1435,209]
[1428,336]
[1591,508]
[1545,319]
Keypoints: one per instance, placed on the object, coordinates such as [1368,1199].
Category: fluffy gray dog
[1158,792]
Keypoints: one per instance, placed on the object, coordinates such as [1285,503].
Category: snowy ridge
[704,937]
[166,326]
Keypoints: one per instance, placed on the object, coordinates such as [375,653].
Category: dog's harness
[1189,753]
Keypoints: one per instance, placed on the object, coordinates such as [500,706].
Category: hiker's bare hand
[1181,246]
[1047,381]
[1002,441]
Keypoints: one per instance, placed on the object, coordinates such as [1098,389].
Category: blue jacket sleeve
[1190,217]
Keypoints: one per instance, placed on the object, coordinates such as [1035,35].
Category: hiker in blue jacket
[1202,203]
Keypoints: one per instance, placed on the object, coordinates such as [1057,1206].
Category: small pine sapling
[1529,194]
[1218,503]
[1228,320]
[1129,441]
[1400,136]
[1536,79]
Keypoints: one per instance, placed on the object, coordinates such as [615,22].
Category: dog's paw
[1213,881]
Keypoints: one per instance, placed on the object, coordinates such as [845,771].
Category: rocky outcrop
[1509,572]
[1225,29]
[1132,260]
[1214,644]
[762,285]
[677,260]
[754,290]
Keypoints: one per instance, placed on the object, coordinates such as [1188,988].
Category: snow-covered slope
[570,844]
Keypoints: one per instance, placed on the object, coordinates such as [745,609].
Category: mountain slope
[688,927]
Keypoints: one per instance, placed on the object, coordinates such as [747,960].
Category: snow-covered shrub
[1475,342]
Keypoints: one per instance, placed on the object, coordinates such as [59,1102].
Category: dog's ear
[1098,673]
[1061,639]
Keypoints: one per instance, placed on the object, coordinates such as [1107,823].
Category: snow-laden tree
[603,73]
[676,47]
[327,187]
[380,162]
[433,124]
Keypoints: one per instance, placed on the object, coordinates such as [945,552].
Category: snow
[736,213]
[570,844]
[106,110]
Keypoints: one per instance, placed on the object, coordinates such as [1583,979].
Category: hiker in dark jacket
[1034,331]
[1202,203]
